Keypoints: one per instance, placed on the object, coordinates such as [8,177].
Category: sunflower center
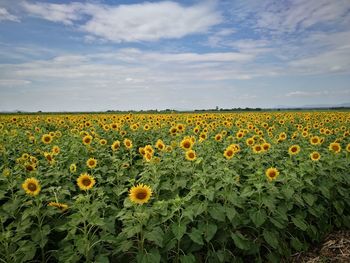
[272,174]
[315,156]
[86,181]
[191,155]
[87,140]
[314,140]
[32,187]
[47,139]
[294,149]
[29,168]
[92,163]
[335,148]
[187,145]
[229,153]
[141,195]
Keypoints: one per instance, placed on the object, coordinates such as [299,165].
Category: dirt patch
[335,248]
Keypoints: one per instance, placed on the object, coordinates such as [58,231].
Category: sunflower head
[348,147]
[229,153]
[85,181]
[272,173]
[115,145]
[186,144]
[315,156]
[258,148]
[294,149]
[91,163]
[87,139]
[314,140]
[191,155]
[46,138]
[127,143]
[31,186]
[140,194]
[62,207]
[335,147]
[73,168]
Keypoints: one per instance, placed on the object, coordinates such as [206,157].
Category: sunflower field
[180,187]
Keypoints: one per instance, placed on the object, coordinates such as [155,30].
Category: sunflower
[30,167]
[103,142]
[73,168]
[87,139]
[149,149]
[140,194]
[315,156]
[239,135]
[186,144]
[250,141]
[294,149]
[218,137]
[56,150]
[127,143]
[85,181]
[115,145]
[191,155]
[266,146]
[334,147]
[258,148]
[160,145]
[148,156]
[6,172]
[62,207]
[272,173]
[314,140]
[347,147]
[142,151]
[31,186]
[91,163]
[229,153]
[46,138]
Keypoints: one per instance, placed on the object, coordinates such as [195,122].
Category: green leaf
[258,217]
[271,238]
[187,258]
[240,241]
[296,244]
[300,223]
[309,198]
[196,236]
[218,212]
[288,192]
[339,206]
[156,235]
[209,231]
[102,259]
[178,230]
[230,213]
[152,256]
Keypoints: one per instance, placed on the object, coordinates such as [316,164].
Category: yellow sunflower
[46,138]
[127,143]
[140,194]
[160,145]
[91,163]
[73,168]
[315,156]
[258,148]
[229,153]
[62,207]
[31,186]
[186,144]
[191,155]
[314,140]
[294,149]
[272,173]
[85,181]
[334,147]
[347,147]
[87,139]
[266,146]
[115,145]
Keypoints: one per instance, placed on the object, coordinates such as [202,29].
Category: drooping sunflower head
[335,147]
[272,173]
[46,138]
[294,149]
[91,163]
[315,156]
[31,186]
[140,194]
[62,207]
[191,155]
[85,181]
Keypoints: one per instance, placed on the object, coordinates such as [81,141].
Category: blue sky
[133,55]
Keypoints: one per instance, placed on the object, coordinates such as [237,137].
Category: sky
[184,55]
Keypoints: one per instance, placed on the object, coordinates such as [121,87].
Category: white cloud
[5,15]
[13,82]
[131,23]
[321,93]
